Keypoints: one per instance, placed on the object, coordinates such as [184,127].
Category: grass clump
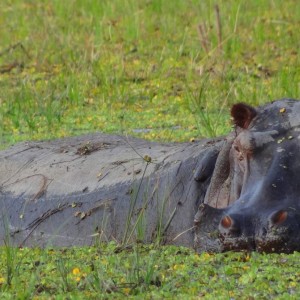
[164,70]
[147,272]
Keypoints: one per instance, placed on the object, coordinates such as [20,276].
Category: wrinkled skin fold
[253,200]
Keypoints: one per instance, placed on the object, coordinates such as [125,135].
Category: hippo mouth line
[250,243]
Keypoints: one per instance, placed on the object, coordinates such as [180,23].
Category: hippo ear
[242,114]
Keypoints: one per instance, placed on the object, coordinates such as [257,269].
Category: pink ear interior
[242,114]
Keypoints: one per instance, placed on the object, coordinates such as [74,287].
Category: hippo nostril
[229,227]
[278,217]
[226,222]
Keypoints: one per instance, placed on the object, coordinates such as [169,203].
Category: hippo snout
[276,231]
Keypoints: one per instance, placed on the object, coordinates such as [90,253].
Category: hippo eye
[245,143]
[239,154]
[236,148]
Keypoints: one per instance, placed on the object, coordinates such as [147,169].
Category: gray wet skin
[256,207]
[99,187]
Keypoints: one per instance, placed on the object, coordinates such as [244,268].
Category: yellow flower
[76,271]
[178,267]
[196,257]
[247,257]
[136,62]
[2,280]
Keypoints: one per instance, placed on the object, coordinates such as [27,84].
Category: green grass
[143,68]
[148,273]
[117,66]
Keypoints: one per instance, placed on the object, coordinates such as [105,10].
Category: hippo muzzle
[274,232]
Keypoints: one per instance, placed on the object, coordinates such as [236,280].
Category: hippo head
[253,200]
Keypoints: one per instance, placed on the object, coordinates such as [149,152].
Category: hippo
[108,187]
[253,199]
